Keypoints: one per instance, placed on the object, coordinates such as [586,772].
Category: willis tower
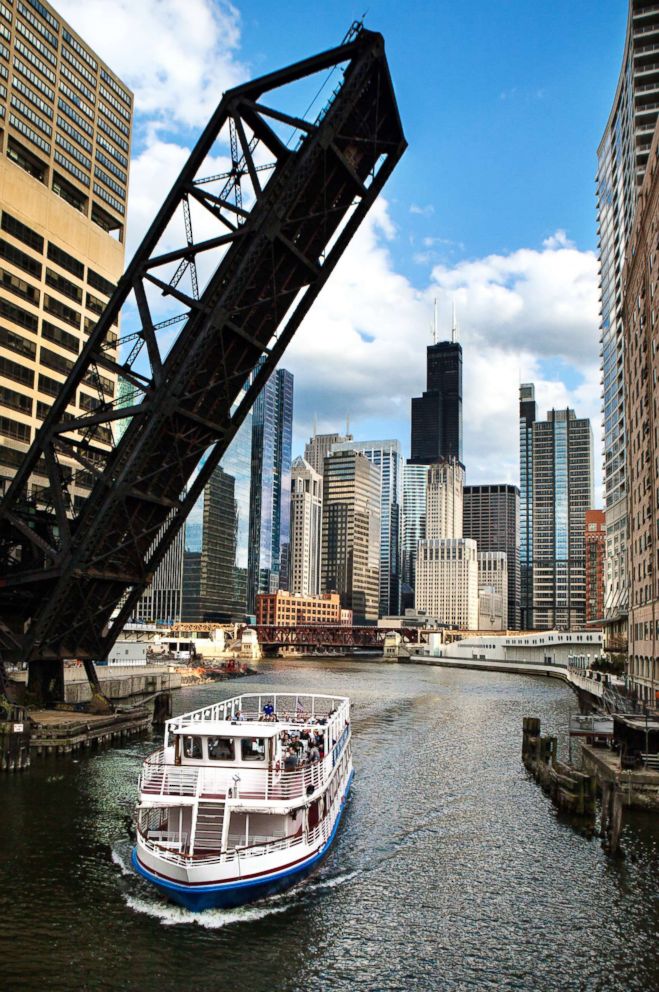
[437,415]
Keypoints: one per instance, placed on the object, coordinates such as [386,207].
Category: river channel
[451,870]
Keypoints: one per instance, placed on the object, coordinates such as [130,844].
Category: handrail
[323,830]
[227,709]
[161,778]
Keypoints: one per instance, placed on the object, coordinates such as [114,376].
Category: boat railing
[318,834]
[288,706]
[159,778]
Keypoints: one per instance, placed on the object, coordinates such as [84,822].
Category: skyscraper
[641,347]
[67,122]
[437,414]
[491,517]
[447,581]
[269,517]
[415,481]
[306,528]
[386,456]
[622,157]
[162,600]
[217,539]
[444,500]
[446,567]
[562,492]
[351,533]
[527,417]
[318,448]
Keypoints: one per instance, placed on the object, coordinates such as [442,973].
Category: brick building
[286,608]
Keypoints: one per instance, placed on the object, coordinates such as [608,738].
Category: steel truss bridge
[330,636]
[231,265]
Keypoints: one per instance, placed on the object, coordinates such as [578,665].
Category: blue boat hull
[231,894]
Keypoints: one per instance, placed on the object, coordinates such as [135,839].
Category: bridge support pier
[45,682]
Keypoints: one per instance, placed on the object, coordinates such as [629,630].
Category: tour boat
[244,799]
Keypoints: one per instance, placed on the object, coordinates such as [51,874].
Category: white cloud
[178,56]
[362,348]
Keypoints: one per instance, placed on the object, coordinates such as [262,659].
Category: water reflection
[451,870]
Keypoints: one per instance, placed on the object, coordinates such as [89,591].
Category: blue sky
[492,207]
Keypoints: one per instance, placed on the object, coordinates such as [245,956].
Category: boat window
[220,748]
[253,749]
[192,747]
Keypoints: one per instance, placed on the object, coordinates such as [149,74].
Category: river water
[451,870]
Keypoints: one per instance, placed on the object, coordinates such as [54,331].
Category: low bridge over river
[320,637]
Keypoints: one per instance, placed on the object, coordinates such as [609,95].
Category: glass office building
[217,537]
[269,517]
[387,457]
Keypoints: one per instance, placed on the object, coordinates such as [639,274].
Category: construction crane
[233,261]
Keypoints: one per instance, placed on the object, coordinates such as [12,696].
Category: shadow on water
[451,870]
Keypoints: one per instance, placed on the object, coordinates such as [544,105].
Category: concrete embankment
[119,684]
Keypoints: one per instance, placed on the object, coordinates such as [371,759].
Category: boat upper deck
[253,750]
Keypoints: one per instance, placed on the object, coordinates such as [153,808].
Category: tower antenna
[434,321]
[454,326]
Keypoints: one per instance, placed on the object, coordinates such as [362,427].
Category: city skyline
[526,299]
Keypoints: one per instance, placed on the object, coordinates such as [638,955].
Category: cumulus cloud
[362,348]
[178,56]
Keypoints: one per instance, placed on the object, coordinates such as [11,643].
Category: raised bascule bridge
[229,268]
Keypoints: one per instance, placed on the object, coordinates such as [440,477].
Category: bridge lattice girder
[67,565]
[319,635]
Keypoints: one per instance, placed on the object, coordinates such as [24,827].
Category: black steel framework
[271,228]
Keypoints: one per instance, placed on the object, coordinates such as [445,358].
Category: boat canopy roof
[228,728]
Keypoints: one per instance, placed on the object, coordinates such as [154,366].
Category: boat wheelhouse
[244,798]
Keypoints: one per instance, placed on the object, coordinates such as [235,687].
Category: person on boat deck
[291,761]
[268,710]
[239,715]
[314,754]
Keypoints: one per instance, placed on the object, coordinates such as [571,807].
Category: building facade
[444,500]
[319,447]
[306,528]
[493,575]
[269,517]
[415,483]
[527,418]
[386,456]
[217,539]
[289,609]
[437,414]
[595,538]
[490,609]
[491,517]
[351,533]
[447,581]
[66,123]
[162,600]
[562,492]
[622,158]
[641,348]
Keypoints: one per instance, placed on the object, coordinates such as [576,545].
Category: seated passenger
[314,754]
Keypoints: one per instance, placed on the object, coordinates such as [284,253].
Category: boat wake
[214,919]
[211,919]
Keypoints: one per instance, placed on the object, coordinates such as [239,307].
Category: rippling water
[451,870]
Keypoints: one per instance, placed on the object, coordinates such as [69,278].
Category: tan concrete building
[447,581]
[351,533]
[493,574]
[444,500]
[490,609]
[641,360]
[306,528]
[288,609]
[65,131]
